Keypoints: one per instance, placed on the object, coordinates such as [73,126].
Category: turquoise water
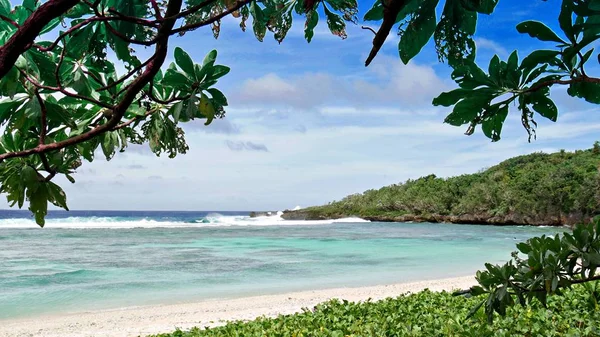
[64,269]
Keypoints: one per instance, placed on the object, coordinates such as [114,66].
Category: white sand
[165,318]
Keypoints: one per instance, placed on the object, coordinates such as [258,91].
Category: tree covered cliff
[561,188]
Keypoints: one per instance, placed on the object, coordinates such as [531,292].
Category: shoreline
[144,320]
[481,219]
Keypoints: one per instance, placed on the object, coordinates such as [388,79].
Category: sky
[308,123]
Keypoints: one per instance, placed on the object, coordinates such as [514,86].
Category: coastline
[141,321]
[313,213]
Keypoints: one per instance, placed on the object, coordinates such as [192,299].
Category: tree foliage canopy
[561,188]
[62,99]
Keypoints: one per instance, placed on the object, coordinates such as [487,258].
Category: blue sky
[308,123]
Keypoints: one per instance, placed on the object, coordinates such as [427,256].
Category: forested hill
[537,189]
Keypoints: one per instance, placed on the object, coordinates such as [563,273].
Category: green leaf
[38,203]
[50,26]
[485,6]
[175,111]
[451,97]
[591,27]
[30,177]
[57,196]
[70,178]
[513,62]
[538,57]
[258,21]
[469,76]
[46,66]
[336,24]
[492,124]
[177,80]
[210,58]
[588,91]
[418,32]
[33,109]
[474,309]
[189,109]
[586,56]
[494,69]
[10,84]
[523,247]
[109,143]
[31,5]
[79,42]
[467,110]
[184,61]
[57,113]
[375,13]
[312,19]
[565,19]
[78,11]
[538,30]
[81,83]
[219,71]
[5,7]
[8,108]
[217,96]
[206,109]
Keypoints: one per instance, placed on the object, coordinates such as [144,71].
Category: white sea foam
[211,220]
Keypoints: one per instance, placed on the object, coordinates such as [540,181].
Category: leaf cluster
[543,266]
[483,98]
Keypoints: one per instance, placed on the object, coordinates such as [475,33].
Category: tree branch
[192,9]
[136,118]
[135,88]
[63,91]
[239,4]
[79,26]
[391,8]
[28,32]
[156,10]
[9,20]
[564,82]
[47,167]
[126,76]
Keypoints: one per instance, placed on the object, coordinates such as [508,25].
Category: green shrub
[422,314]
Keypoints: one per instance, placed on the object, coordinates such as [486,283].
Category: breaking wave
[210,220]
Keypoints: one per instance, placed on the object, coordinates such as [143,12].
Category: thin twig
[126,76]
[192,26]
[369,28]
[11,21]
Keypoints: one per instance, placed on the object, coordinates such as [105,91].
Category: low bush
[424,314]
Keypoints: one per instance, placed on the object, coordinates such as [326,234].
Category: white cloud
[246,146]
[486,44]
[388,83]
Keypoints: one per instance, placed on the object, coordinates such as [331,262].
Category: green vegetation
[540,189]
[552,264]
[424,314]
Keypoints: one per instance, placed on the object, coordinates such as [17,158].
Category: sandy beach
[141,321]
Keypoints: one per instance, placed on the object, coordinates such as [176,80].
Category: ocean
[95,260]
